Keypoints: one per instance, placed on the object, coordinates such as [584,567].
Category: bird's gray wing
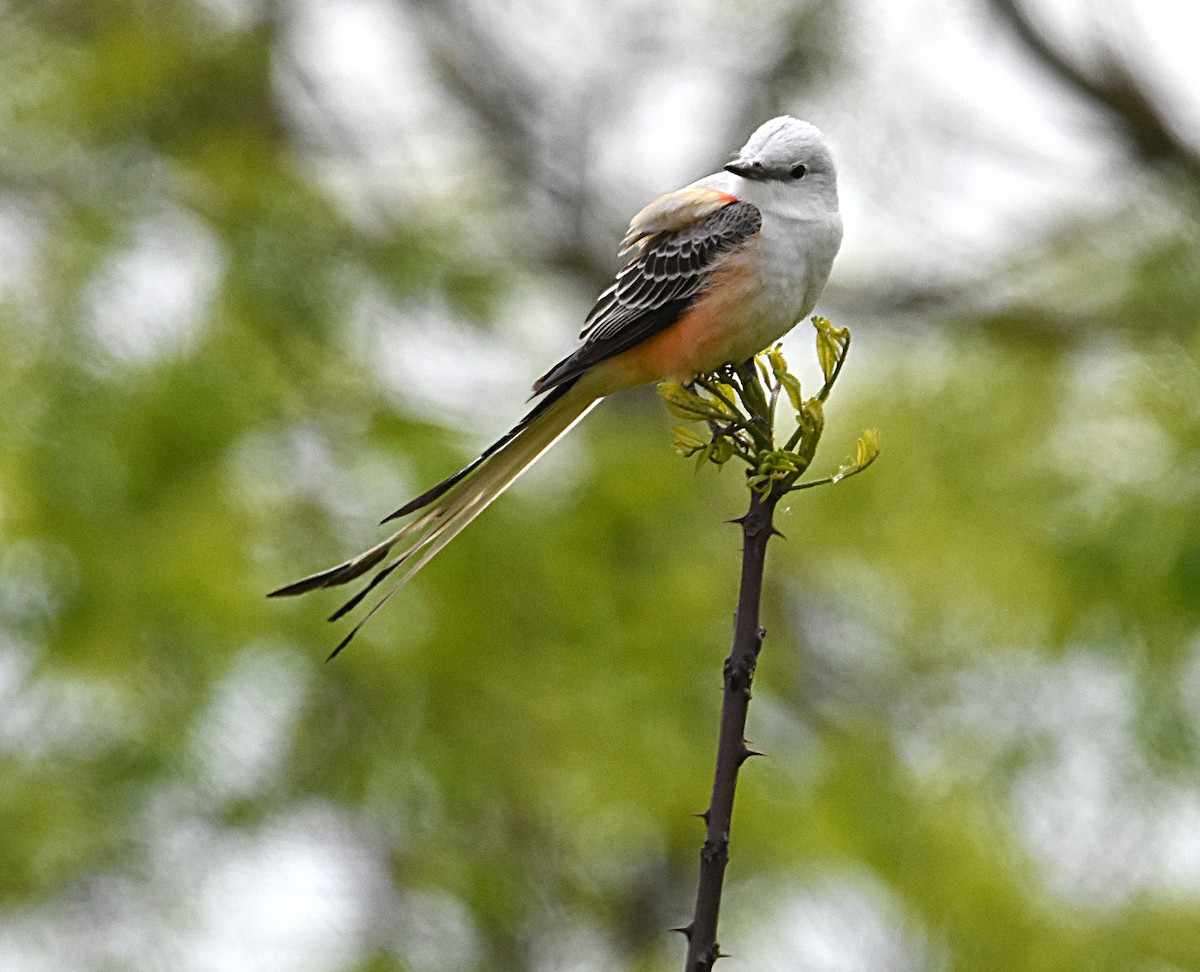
[655,288]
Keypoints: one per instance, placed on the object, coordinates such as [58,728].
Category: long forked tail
[447,508]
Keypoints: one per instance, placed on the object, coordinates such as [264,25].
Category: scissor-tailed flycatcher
[720,269]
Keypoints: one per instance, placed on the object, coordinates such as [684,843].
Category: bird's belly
[734,318]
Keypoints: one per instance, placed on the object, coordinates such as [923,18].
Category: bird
[714,273]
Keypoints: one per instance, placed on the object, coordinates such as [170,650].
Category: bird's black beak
[746,169]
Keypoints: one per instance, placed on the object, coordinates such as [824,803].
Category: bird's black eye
[798,171]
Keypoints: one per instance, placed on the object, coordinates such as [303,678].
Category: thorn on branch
[684,930]
[753,527]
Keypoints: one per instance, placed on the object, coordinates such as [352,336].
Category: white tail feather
[452,511]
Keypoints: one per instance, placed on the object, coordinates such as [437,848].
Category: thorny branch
[739,405]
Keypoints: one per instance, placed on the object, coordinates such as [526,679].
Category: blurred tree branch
[544,133]
[1114,86]
[511,98]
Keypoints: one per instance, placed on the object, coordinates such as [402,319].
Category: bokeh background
[266,268]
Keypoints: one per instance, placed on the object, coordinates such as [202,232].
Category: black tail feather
[333,577]
[375,581]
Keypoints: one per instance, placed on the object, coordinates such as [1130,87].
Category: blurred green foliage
[979,692]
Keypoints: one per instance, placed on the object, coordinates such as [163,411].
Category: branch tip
[739,405]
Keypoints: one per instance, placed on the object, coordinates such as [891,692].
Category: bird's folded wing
[680,239]
[674,211]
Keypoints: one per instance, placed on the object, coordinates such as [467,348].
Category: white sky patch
[235,14]
[1156,37]
[1103,828]
[241,740]
[559,943]
[293,895]
[22,229]
[1169,29]
[1103,436]
[277,468]
[1126,450]
[289,900]
[666,141]
[366,60]
[274,470]
[846,923]
[55,716]
[434,932]
[151,298]
[1087,805]
[49,717]
[358,82]
[952,148]
[48,714]
[438,366]
[33,578]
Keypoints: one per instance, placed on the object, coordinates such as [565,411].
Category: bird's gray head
[784,150]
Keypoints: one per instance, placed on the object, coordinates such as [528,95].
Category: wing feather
[658,284]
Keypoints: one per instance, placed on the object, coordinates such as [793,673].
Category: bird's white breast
[796,256]
[794,252]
